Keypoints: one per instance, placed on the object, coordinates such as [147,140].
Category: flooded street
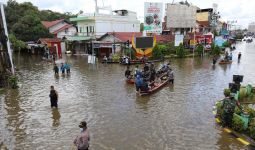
[177,117]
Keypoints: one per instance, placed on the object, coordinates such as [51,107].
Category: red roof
[48,24]
[124,36]
[63,28]
[48,40]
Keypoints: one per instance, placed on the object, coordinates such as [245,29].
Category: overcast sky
[241,10]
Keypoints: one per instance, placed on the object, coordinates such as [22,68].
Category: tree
[24,20]
[180,52]
[29,28]
[157,53]
[16,44]
[216,50]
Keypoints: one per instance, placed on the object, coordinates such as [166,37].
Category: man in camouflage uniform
[229,104]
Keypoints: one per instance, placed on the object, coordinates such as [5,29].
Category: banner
[153,17]
[178,39]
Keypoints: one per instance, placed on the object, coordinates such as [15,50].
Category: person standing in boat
[82,140]
[170,75]
[53,97]
[152,73]
[56,69]
[138,83]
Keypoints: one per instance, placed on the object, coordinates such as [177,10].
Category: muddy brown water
[177,117]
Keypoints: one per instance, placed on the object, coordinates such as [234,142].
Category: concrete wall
[180,16]
[70,32]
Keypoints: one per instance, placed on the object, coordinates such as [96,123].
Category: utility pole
[5,42]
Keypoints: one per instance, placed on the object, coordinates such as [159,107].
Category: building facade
[93,26]
[181,18]
[99,24]
[251,27]
[60,28]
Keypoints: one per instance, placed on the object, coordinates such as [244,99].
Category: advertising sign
[153,17]
[178,39]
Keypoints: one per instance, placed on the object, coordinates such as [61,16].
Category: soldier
[229,104]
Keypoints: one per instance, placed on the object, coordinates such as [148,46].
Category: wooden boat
[135,62]
[109,62]
[222,62]
[130,81]
[155,88]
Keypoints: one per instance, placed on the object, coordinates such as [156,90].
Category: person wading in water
[53,97]
[82,140]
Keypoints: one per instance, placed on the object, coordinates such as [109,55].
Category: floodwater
[178,117]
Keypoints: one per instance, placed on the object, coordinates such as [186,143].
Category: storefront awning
[78,38]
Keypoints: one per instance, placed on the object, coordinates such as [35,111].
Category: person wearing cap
[82,140]
[229,104]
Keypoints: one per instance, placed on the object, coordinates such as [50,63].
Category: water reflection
[55,117]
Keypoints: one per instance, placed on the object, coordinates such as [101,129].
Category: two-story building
[93,26]
[60,28]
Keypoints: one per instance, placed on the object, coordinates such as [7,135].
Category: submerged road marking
[227,130]
[217,120]
[243,141]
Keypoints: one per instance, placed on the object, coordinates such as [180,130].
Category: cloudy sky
[241,10]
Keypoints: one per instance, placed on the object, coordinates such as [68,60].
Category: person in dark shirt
[128,73]
[53,97]
[56,69]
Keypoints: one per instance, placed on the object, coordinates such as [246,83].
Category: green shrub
[219,108]
[128,52]
[251,130]
[200,49]
[216,50]
[226,44]
[250,111]
[116,57]
[238,111]
[227,92]
[180,52]
[157,52]
[13,81]
[237,124]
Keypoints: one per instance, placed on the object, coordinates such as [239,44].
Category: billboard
[178,39]
[153,17]
[144,42]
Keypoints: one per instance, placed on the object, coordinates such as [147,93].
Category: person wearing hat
[229,104]
[82,140]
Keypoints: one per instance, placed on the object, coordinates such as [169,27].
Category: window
[80,29]
[66,31]
[87,31]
